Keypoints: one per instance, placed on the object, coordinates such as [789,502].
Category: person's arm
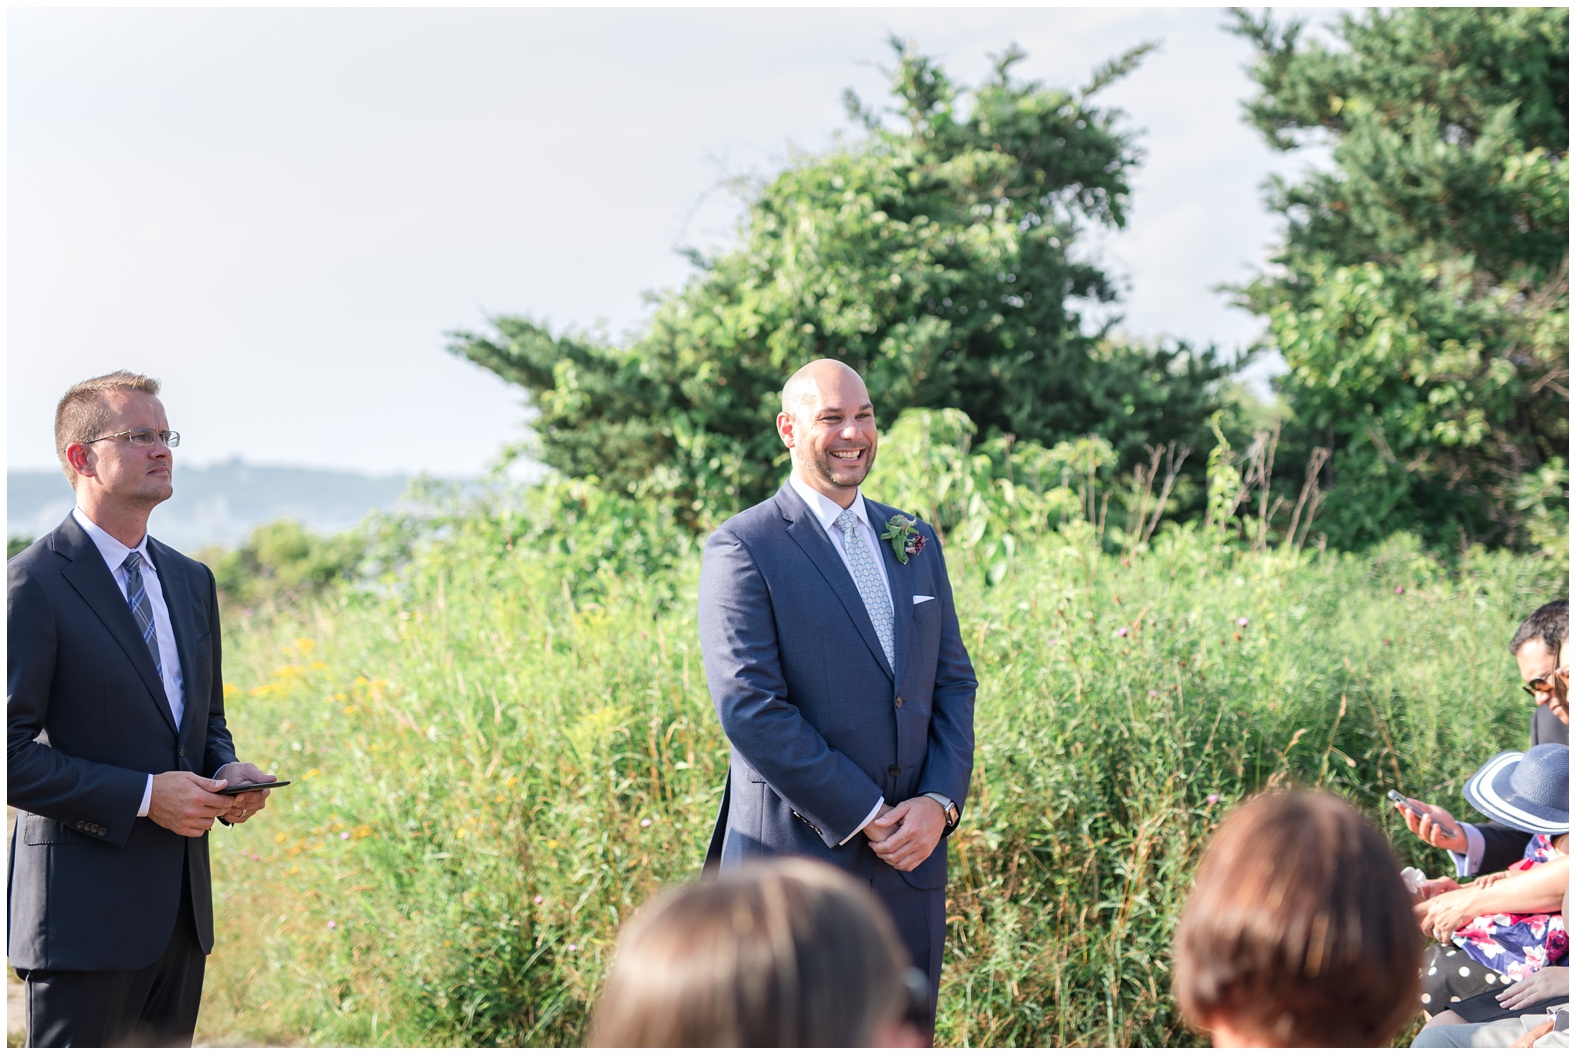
[908,835]
[1503,846]
[1538,889]
[40,779]
[949,759]
[738,636]
[219,757]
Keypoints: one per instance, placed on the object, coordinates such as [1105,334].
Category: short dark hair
[1551,624]
[1299,930]
[785,952]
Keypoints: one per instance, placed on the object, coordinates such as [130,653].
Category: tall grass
[496,762]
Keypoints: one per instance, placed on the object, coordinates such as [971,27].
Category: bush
[494,768]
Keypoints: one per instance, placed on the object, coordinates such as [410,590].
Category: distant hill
[220,504]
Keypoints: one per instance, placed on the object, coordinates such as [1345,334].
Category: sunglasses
[1542,684]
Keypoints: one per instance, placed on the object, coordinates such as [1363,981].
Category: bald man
[835,663]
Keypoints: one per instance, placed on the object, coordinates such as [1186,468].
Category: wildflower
[1153,694]
[537,899]
[645,822]
[1400,589]
[1121,631]
[571,946]
[344,835]
[1211,798]
[332,924]
[1242,621]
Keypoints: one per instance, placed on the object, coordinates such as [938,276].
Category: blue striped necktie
[141,607]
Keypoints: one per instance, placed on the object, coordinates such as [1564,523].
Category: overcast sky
[280,212]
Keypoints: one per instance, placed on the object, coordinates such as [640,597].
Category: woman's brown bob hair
[786,952]
[1299,930]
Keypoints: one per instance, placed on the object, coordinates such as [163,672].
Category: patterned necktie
[141,607]
[868,578]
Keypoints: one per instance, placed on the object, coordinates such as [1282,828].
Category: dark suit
[1503,846]
[93,887]
[820,724]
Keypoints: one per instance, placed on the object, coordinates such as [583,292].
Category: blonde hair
[82,414]
[783,952]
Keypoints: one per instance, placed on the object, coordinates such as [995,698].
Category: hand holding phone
[1447,830]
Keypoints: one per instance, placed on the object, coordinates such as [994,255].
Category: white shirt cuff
[1467,864]
[874,810]
[147,797]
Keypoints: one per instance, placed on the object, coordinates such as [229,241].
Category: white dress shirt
[826,512]
[114,553]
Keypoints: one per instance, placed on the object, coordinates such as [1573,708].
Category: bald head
[829,426]
[808,382]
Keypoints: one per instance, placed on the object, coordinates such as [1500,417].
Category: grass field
[495,763]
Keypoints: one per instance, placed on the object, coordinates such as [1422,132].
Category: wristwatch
[948,807]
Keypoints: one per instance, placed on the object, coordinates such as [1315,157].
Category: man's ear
[785,428]
[78,457]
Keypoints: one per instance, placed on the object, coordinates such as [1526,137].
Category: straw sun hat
[1530,790]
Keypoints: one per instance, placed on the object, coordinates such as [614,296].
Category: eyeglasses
[144,437]
[1543,683]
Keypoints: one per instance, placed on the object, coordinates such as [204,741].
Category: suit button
[895,771]
[900,701]
[183,751]
[81,825]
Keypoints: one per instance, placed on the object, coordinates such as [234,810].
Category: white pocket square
[920,598]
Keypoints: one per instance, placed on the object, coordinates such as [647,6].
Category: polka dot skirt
[1450,976]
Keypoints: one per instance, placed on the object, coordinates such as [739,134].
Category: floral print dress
[1490,952]
[1513,943]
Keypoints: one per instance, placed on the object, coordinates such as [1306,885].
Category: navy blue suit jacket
[821,725]
[93,887]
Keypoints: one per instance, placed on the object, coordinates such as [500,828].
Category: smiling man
[116,744]
[835,663]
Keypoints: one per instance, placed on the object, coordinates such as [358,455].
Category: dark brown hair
[1299,930]
[82,413]
[782,953]
[1549,624]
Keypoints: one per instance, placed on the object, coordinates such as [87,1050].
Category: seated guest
[1298,931]
[785,952]
[1545,1029]
[1504,927]
[1482,848]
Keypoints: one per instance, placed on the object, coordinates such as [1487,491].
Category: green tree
[937,255]
[1421,297]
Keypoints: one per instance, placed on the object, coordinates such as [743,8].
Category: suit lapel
[900,580]
[172,579]
[91,578]
[807,532]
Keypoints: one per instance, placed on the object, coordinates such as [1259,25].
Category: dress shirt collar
[111,548]
[827,511]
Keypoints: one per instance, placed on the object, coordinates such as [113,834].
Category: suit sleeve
[738,638]
[40,779]
[949,758]
[1502,847]
[220,749]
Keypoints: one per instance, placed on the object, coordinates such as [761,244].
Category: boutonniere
[905,540]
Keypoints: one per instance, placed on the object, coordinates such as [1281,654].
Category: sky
[281,213]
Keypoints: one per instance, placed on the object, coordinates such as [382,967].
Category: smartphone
[237,789]
[1400,800]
